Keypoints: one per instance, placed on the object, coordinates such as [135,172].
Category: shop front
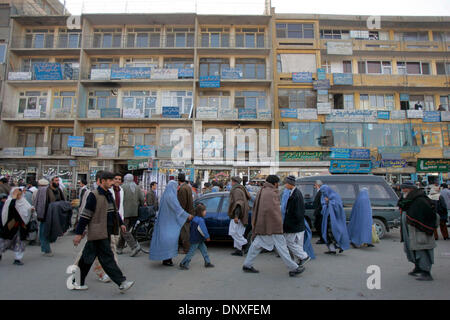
[431,171]
[303,163]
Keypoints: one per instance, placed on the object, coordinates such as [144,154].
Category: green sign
[137,164]
[433,165]
[301,155]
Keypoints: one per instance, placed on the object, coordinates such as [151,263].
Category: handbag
[32,226]
[375,238]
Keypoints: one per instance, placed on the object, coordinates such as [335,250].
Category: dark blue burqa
[335,210]
[360,226]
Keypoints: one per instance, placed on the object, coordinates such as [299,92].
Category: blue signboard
[186,73]
[322,92]
[130,73]
[210,82]
[29,151]
[164,152]
[75,141]
[302,77]
[288,113]
[144,151]
[407,149]
[383,115]
[48,71]
[247,113]
[344,153]
[321,74]
[170,112]
[431,116]
[350,166]
[110,113]
[399,163]
[343,78]
[322,84]
[404,96]
[232,73]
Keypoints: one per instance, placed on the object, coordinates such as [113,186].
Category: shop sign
[144,151]
[350,166]
[164,74]
[445,116]
[324,108]
[227,113]
[164,152]
[383,115]
[288,113]
[42,151]
[343,79]
[11,152]
[186,73]
[110,112]
[408,149]
[247,113]
[323,98]
[431,116]
[47,71]
[340,48]
[344,153]
[170,112]
[433,165]
[100,74]
[93,114]
[210,82]
[391,156]
[307,114]
[132,113]
[164,164]
[75,141]
[321,74]
[232,73]
[404,96]
[206,113]
[398,163]
[302,77]
[264,114]
[322,84]
[398,114]
[352,116]
[84,152]
[29,151]
[19,75]
[137,164]
[131,73]
[301,155]
[414,114]
[107,151]
[34,114]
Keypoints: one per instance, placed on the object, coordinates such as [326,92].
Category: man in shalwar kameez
[360,225]
[238,212]
[334,227]
[170,220]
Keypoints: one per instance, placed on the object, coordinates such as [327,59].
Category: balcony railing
[388,45]
[47,41]
[67,73]
[63,113]
[139,73]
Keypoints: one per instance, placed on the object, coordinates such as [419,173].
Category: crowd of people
[104,215]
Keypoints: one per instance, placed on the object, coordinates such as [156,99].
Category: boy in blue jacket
[198,235]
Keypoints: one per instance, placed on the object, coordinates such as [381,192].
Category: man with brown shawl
[186,200]
[238,212]
[267,228]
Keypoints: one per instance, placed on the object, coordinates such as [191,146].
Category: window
[413,67]
[377,102]
[165,137]
[428,135]
[104,63]
[70,67]
[63,104]
[96,137]
[144,37]
[252,68]
[301,134]
[441,36]
[39,38]
[213,66]
[389,135]
[444,101]
[443,68]
[297,98]
[33,100]
[307,190]
[180,37]
[214,99]
[376,191]
[429,103]
[334,34]
[28,63]
[179,63]
[345,190]
[102,99]
[295,30]
[107,38]
[412,36]
[250,37]
[374,67]
[60,137]
[130,137]
[181,99]
[250,99]
[347,65]
[69,38]
[327,66]
[30,137]
[346,134]
[144,101]
[3,49]
[343,101]
[215,37]
[212,204]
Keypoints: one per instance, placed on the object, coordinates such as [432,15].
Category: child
[198,234]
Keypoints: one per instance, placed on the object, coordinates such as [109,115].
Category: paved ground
[328,277]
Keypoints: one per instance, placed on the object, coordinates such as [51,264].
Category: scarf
[129,181]
[117,196]
[22,207]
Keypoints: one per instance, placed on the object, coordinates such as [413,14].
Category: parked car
[217,220]
[385,213]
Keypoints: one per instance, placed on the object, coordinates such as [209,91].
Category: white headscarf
[128,180]
[22,207]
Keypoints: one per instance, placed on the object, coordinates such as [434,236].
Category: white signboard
[206,113]
[11,152]
[340,48]
[445,116]
[19,75]
[323,98]
[307,114]
[163,74]
[132,113]
[84,152]
[361,34]
[107,151]
[264,114]
[41,151]
[93,114]
[100,74]
[324,108]
[36,113]
[228,113]
[414,114]
[398,115]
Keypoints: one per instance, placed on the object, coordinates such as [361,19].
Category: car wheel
[380,228]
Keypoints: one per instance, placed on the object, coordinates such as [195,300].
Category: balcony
[46,44]
[233,45]
[387,81]
[45,74]
[61,115]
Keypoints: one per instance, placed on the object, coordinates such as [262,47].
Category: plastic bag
[375,238]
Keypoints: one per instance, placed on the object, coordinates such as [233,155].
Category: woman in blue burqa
[171,217]
[307,246]
[334,227]
[360,225]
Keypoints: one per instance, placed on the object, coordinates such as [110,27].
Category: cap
[290,180]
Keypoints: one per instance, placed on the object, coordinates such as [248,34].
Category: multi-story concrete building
[121,84]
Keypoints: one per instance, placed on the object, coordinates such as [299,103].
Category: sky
[351,7]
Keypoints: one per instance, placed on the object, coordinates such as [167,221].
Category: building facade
[326,93]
